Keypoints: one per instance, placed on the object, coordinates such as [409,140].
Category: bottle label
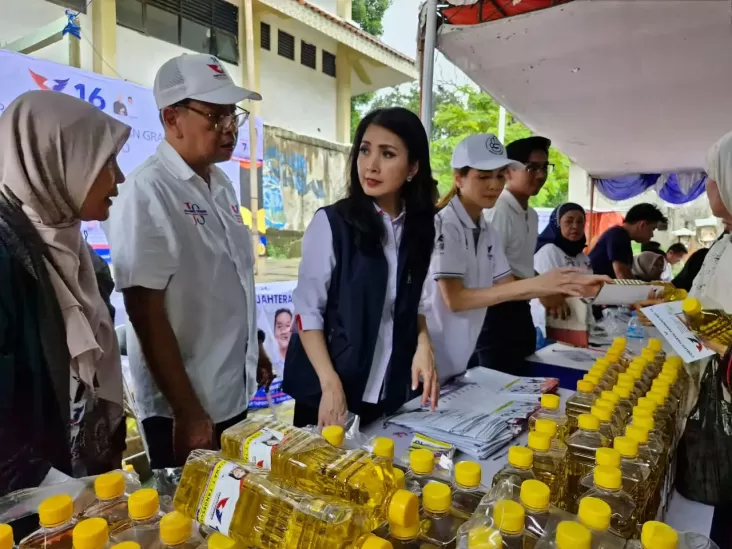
[216,508]
[258,447]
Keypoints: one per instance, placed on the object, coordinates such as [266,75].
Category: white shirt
[519,231]
[456,255]
[169,230]
[668,274]
[311,295]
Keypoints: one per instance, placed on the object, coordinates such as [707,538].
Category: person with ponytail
[469,271]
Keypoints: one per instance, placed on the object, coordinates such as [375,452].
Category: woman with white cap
[469,271]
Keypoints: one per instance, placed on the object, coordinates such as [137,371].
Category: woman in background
[362,343]
[648,266]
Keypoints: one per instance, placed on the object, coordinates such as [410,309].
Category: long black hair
[419,195]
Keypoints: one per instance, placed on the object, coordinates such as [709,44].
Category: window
[286,45]
[266,32]
[76,5]
[329,63]
[307,54]
[205,26]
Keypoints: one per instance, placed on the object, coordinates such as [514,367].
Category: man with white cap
[184,259]
[469,271]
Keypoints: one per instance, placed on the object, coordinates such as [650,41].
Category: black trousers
[307,415]
[507,338]
[159,437]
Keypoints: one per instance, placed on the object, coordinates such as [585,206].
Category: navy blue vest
[352,318]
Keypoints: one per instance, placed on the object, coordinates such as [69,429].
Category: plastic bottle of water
[636,335]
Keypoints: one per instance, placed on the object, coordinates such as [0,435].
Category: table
[683,514]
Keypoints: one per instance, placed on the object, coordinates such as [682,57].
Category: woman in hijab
[648,266]
[60,375]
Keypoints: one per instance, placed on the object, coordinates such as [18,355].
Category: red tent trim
[492,10]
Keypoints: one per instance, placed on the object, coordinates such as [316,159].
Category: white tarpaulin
[619,86]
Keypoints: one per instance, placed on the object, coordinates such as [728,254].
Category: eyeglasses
[221,121]
[535,167]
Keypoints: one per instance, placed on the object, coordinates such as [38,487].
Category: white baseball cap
[482,151]
[197,76]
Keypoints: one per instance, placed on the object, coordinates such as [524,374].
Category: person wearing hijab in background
[61,407]
[648,266]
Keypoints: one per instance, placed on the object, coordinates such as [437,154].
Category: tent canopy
[621,87]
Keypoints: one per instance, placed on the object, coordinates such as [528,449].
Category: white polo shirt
[479,265]
[519,230]
[168,230]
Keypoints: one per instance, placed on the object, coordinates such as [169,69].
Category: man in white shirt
[184,259]
[675,254]
[508,334]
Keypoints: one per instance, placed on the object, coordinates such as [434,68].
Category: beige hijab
[647,266]
[52,147]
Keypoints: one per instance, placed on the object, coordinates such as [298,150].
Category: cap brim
[497,164]
[229,95]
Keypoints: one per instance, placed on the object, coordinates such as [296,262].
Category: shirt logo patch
[440,244]
[490,252]
[237,214]
[198,214]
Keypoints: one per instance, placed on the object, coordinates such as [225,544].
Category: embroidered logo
[490,252]
[440,244]
[494,145]
[237,214]
[198,214]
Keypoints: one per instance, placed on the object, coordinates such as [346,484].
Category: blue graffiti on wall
[282,170]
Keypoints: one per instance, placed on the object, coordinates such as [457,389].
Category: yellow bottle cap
[648,403]
[657,535]
[535,495]
[602,413]
[375,542]
[399,480]
[620,342]
[334,434]
[655,344]
[402,507]
[608,477]
[55,511]
[520,457]
[592,378]
[405,533]
[109,486]
[6,536]
[550,402]
[584,386]
[594,513]
[607,457]
[422,461]
[436,497]
[610,397]
[657,395]
[637,433]
[92,533]
[175,528]
[383,447]
[588,422]
[547,427]
[641,361]
[636,372]
[220,541]
[596,371]
[646,422]
[609,404]
[648,354]
[572,535]
[127,545]
[627,447]
[509,516]
[539,442]
[622,391]
[668,375]
[626,379]
[602,361]
[128,468]
[642,412]
[676,361]
[468,474]
[484,537]
[613,355]
[691,306]
[143,504]
[663,385]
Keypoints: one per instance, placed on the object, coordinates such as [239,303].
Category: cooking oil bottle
[670,377]
[550,428]
[176,531]
[56,517]
[548,467]
[91,533]
[535,499]
[334,434]
[604,457]
[579,403]
[244,504]
[518,469]
[306,461]
[595,377]
[604,415]
[383,447]
[635,472]
[625,404]
[467,490]
[582,447]
[711,324]
[143,526]
[635,388]
[550,410]
[220,541]
[570,535]
[609,488]
[421,467]
[479,533]
[407,536]
[439,525]
[111,501]
[658,535]
[653,456]
[676,364]
[643,417]
[595,515]
[509,519]
[6,537]
[614,358]
[638,369]
[665,414]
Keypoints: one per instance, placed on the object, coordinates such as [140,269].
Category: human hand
[567,281]
[423,367]
[192,432]
[556,307]
[333,409]
[718,348]
[265,375]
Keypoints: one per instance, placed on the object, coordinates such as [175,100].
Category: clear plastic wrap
[600,540]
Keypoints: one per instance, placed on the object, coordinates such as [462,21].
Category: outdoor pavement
[276,270]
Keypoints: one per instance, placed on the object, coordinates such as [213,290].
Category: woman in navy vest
[362,343]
